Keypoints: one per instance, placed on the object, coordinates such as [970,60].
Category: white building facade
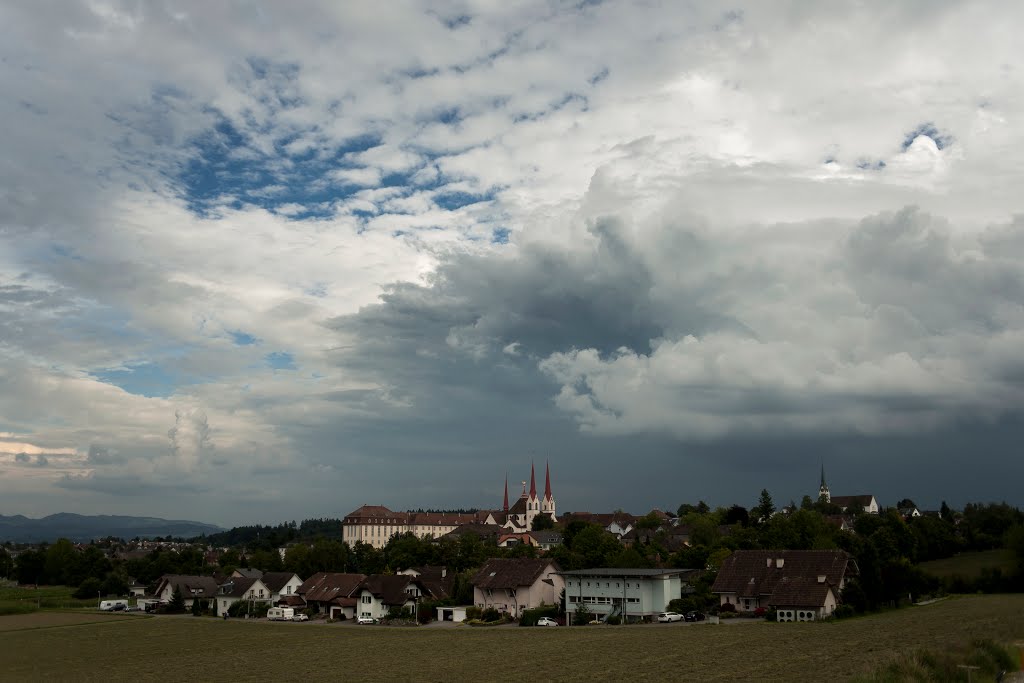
[626,593]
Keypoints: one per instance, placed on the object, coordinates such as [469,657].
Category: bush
[771,614]
[844,612]
[490,614]
[613,621]
[473,613]
[727,607]
[90,588]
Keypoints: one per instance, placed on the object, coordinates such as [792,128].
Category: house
[617,523]
[331,593]
[241,589]
[514,585]
[136,589]
[192,588]
[439,582]
[801,584]
[281,585]
[378,594]
[547,539]
[625,593]
[909,513]
[865,502]
[507,540]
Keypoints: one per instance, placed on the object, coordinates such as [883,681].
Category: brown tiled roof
[518,508]
[292,601]
[438,581]
[275,581]
[249,573]
[800,591]
[753,573]
[389,588]
[847,501]
[206,585]
[481,530]
[237,586]
[325,586]
[376,512]
[602,518]
[511,573]
[442,518]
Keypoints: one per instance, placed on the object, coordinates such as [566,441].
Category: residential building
[281,585]
[439,582]
[192,588]
[514,585]
[241,589]
[625,593]
[861,503]
[378,594]
[802,584]
[331,593]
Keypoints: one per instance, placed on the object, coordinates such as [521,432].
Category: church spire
[547,480]
[822,474]
[505,504]
[533,482]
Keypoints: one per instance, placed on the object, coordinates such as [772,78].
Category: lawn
[969,565]
[190,648]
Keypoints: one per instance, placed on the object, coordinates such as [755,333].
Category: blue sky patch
[145,379]
[500,236]
[243,338]
[280,360]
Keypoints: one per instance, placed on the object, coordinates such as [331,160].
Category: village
[525,562]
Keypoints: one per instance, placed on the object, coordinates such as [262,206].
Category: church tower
[547,504]
[823,493]
[532,503]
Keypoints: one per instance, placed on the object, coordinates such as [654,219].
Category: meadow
[22,600]
[191,648]
[969,565]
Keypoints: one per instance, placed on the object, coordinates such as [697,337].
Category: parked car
[300,617]
[695,616]
[546,621]
[666,617]
[366,620]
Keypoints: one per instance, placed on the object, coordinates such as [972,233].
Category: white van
[280,613]
[112,605]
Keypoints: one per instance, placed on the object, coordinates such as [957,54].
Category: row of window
[597,584]
[600,600]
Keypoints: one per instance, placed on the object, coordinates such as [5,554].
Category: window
[261,592]
[367,599]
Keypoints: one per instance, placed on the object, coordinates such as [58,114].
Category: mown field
[189,648]
[969,565]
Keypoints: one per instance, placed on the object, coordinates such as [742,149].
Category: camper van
[113,605]
[280,613]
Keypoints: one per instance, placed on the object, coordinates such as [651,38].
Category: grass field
[20,600]
[189,648]
[969,565]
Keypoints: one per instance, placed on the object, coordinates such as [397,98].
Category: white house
[801,584]
[515,585]
[378,594]
[237,589]
[625,593]
[281,585]
[865,502]
[192,588]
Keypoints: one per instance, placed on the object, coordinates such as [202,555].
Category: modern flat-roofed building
[631,594]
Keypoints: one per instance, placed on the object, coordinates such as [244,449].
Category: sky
[265,261]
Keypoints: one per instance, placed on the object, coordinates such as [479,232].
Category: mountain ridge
[76,527]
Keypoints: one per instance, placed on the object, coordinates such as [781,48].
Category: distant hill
[21,529]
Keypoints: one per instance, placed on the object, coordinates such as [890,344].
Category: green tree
[197,607]
[89,588]
[806,503]
[765,507]
[542,522]
[177,603]
[61,563]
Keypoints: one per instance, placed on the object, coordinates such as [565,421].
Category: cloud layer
[328,256]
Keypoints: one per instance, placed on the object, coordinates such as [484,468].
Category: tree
[806,503]
[737,514]
[177,603]
[542,522]
[905,503]
[765,507]
[90,588]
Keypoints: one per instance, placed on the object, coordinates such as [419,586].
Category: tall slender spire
[547,480]
[533,482]
[822,474]
[505,504]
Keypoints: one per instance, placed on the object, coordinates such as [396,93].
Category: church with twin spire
[519,517]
